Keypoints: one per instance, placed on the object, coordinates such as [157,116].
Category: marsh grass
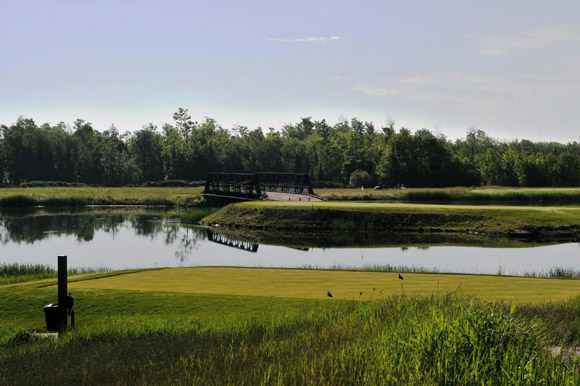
[158,201]
[555,272]
[18,272]
[396,340]
[376,268]
[195,215]
[457,194]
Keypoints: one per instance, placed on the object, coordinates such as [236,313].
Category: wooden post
[62,292]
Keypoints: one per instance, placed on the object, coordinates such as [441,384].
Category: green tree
[359,178]
[146,151]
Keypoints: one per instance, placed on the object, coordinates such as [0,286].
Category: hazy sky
[511,68]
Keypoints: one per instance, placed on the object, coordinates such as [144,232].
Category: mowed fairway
[301,283]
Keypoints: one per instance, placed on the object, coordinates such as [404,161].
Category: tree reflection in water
[33,227]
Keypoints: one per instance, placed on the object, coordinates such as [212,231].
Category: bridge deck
[277,196]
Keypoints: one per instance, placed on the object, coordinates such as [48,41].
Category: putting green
[298,283]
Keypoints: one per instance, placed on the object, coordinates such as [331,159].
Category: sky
[510,68]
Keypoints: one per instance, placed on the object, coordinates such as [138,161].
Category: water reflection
[22,233]
[30,229]
[121,238]
[229,242]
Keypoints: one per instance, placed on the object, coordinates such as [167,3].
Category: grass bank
[398,217]
[169,338]
[457,194]
[81,196]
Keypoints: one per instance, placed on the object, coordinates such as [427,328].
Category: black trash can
[51,314]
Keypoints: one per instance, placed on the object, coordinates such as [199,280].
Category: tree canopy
[350,152]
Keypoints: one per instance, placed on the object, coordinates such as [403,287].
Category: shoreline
[505,221]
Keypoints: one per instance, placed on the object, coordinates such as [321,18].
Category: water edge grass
[11,273]
[457,194]
[193,216]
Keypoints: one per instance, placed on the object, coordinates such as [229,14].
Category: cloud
[390,92]
[308,39]
[482,93]
[432,88]
[529,40]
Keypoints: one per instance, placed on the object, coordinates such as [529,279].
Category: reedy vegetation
[17,272]
[82,196]
[397,340]
[354,153]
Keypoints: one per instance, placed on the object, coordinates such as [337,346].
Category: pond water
[136,238]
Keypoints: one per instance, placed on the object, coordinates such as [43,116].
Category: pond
[137,238]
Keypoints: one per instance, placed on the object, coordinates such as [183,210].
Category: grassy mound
[383,217]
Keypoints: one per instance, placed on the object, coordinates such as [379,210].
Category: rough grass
[78,196]
[396,340]
[349,216]
[313,284]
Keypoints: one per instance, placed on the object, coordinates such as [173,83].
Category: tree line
[353,153]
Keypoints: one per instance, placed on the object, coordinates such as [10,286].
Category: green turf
[22,305]
[313,284]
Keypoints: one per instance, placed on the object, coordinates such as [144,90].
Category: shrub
[359,178]
[18,202]
[166,184]
[327,185]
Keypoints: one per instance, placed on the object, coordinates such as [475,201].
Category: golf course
[179,321]
[347,285]
[218,325]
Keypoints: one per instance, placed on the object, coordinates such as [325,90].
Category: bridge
[234,187]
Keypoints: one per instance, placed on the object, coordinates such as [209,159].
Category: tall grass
[376,268]
[398,340]
[524,196]
[17,272]
[77,196]
[459,195]
[555,272]
[195,215]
